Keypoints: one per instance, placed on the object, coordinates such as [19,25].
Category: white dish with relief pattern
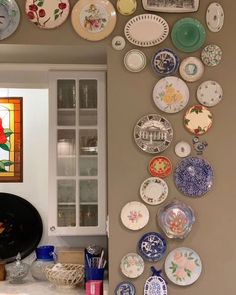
[209,93]
[215,17]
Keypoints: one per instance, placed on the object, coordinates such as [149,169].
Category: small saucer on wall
[209,93]
[135,60]
[191,69]
[182,149]
[118,43]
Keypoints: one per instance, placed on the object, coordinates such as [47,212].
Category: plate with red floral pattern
[160,166]
[47,14]
[132,265]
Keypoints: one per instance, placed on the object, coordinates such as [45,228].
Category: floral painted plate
[183,266]
[209,93]
[126,7]
[215,17]
[9,18]
[211,55]
[198,119]
[165,62]
[182,149]
[132,265]
[47,14]
[191,69]
[153,133]
[93,20]
[170,94]
[154,190]
[160,167]
[126,288]
[176,219]
[134,215]
[155,285]
[135,60]
[193,177]
[152,246]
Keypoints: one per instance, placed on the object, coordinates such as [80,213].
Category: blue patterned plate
[193,177]
[152,246]
[125,288]
[155,286]
[165,62]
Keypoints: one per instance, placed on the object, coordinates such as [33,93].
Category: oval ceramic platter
[135,60]
[132,265]
[154,190]
[188,34]
[93,20]
[125,288]
[165,62]
[183,266]
[171,94]
[191,69]
[211,55]
[47,14]
[153,133]
[160,167]
[126,7]
[215,17]
[209,93]
[198,119]
[171,6]
[134,215]
[146,30]
[155,285]
[152,246]
[9,18]
[193,177]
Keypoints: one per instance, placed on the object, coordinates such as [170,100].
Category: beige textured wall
[129,98]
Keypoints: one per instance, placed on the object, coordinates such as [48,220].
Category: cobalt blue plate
[125,288]
[165,62]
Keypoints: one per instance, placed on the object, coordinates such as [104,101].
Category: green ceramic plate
[188,34]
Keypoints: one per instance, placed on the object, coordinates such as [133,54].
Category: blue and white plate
[125,288]
[155,285]
[152,246]
[165,62]
[193,177]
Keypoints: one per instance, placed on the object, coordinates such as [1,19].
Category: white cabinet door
[77,156]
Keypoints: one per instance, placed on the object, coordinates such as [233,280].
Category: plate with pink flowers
[47,14]
[132,265]
[183,266]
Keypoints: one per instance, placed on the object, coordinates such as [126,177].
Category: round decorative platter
[47,14]
[126,7]
[153,133]
[135,60]
[215,17]
[171,94]
[193,177]
[165,62]
[93,20]
[160,167]
[9,18]
[183,266]
[211,55]
[209,93]
[125,288]
[155,285]
[134,215]
[118,43]
[191,69]
[154,191]
[182,149]
[146,30]
[132,265]
[152,246]
[198,119]
[176,219]
[188,34]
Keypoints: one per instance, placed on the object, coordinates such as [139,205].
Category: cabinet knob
[52,228]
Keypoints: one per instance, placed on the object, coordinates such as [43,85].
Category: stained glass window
[11,134]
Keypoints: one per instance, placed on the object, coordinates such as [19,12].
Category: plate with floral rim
[170,94]
[209,93]
[183,266]
[134,215]
[154,190]
[9,18]
[93,20]
[215,17]
[165,62]
[191,69]
[125,288]
[211,55]
[47,14]
[160,166]
[132,265]
[198,119]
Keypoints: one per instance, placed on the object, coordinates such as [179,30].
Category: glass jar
[18,271]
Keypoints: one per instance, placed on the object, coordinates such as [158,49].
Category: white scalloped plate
[215,17]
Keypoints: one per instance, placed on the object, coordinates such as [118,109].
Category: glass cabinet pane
[66,94]
[88,142]
[88,191]
[88,215]
[66,117]
[88,166]
[66,190]
[66,215]
[88,94]
[87,117]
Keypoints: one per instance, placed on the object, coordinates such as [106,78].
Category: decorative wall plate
[188,34]
[209,93]
[9,18]
[126,7]
[152,246]
[211,55]
[134,215]
[132,265]
[165,62]
[154,190]
[176,219]
[215,17]
[191,69]
[125,288]
[183,266]
[171,6]
[155,285]
[193,177]
[160,167]
[153,133]
[170,94]
[93,20]
[146,30]
[48,14]
[182,149]
[118,43]
[198,119]
[135,60]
